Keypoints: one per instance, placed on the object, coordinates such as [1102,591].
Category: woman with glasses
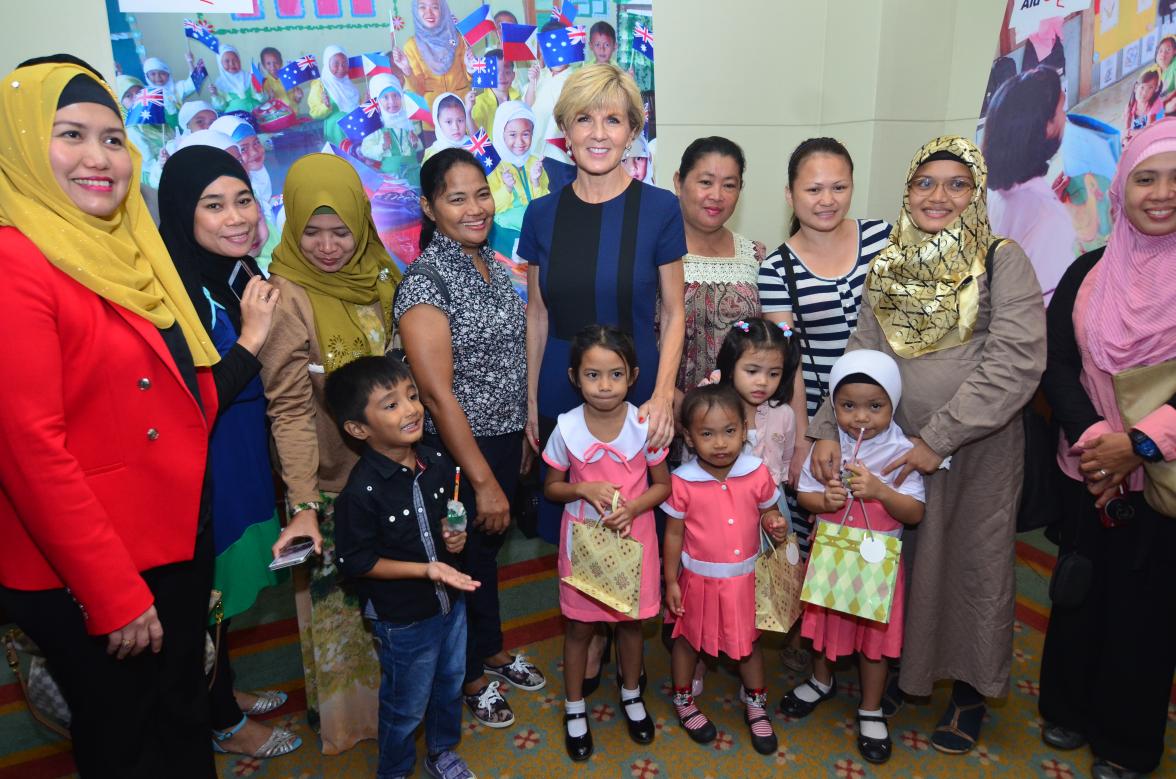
[961,311]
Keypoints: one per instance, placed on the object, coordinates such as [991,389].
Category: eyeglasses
[954,187]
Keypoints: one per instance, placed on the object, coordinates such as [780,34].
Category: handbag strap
[794,297]
[767,545]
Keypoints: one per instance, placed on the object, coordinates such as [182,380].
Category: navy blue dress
[598,263]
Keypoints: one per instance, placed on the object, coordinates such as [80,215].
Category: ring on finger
[1102,472]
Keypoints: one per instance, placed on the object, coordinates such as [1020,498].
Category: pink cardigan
[775,430]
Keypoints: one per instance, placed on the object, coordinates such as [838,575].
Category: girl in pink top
[717,505]
[600,467]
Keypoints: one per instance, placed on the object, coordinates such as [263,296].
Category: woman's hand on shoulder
[825,456]
[257,313]
[131,639]
[920,457]
[659,413]
[761,251]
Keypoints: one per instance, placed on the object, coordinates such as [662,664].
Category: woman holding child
[961,311]
[463,327]
[337,284]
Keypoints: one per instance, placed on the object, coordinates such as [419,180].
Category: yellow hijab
[339,299]
[922,287]
[121,258]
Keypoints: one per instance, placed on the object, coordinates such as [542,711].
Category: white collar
[630,442]
[692,471]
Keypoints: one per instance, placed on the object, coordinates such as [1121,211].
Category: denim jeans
[422,665]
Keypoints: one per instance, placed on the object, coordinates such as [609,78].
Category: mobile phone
[296,552]
[239,278]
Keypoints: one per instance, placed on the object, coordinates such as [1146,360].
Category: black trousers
[223,709]
[145,716]
[1107,666]
[504,453]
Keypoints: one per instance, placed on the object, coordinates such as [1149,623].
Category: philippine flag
[477,25]
[375,63]
[417,107]
[514,42]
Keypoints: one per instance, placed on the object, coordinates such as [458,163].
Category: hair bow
[742,326]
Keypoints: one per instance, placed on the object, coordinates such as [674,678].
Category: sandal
[280,742]
[959,728]
[267,701]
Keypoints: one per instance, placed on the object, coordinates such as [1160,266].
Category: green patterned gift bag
[852,570]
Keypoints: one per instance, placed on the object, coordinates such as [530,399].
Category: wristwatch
[1144,446]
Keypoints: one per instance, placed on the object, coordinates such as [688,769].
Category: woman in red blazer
[109,391]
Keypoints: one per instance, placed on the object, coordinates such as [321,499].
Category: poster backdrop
[1073,80]
[381,83]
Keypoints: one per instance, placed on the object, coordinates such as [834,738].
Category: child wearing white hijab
[519,177]
[174,92]
[866,387]
[451,121]
[333,95]
[394,149]
[233,89]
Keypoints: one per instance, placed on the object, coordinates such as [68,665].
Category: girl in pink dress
[717,505]
[866,389]
[601,467]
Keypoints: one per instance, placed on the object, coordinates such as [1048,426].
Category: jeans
[421,669]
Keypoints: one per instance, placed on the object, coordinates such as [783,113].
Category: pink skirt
[836,634]
[720,614]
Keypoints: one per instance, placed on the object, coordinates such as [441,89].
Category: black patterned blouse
[488,328]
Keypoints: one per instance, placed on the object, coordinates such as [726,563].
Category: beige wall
[882,76]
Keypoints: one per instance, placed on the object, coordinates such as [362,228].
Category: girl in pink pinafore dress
[600,466]
[718,503]
[866,388]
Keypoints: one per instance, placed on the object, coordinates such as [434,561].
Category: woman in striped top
[828,255]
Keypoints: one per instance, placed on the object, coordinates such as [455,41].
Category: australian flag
[201,32]
[199,76]
[514,42]
[361,122]
[147,107]
[298,72]
[564,12]
[485,72]
[559,49]
[477,25]
[479,146]
[643,40]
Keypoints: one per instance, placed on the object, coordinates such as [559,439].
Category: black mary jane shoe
[765,745]
[579,747]
[592,683]
[874,750]
[642,730]
[1061,738]
[792,705]
[1105,769]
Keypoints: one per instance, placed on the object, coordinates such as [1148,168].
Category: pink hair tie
[742,326]
[785,328]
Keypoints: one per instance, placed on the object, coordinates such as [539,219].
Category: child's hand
[674,599]
[835,495]
[190,60]
[599,494]
[533,73]
[508,180]
[864,484]
[621,519]
[776,526]
[454,542]
[447,574]
[470,97]
[536,172]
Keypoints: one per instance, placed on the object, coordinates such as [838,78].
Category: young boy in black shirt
[389,538]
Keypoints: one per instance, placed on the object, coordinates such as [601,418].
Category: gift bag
[779,575]
[852,570]
[1139,392]
[605,566]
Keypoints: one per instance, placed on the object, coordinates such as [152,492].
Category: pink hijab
[1131,318]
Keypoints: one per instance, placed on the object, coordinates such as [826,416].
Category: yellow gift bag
[779,576]
[606,566]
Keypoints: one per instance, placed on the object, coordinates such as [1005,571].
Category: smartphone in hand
[239,278]
[296,552]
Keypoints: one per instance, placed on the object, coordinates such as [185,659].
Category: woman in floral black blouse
[466,343]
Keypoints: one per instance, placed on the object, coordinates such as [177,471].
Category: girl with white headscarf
[334,95]
[174,92]
[519,177]
[395,148]
[434,58]
[452,123]
[233,90]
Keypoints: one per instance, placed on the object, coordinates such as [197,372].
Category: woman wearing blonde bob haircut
[600,251]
